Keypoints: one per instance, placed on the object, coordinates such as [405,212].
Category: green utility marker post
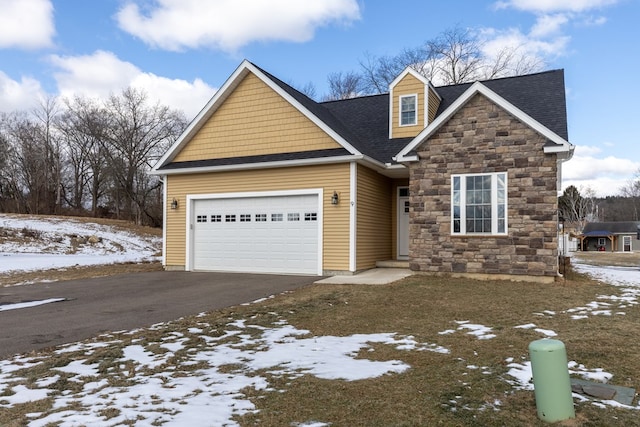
[551,382]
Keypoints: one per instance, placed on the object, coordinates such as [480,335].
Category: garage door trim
[192,198]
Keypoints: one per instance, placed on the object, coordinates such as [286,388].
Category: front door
[403,223]
[626,243]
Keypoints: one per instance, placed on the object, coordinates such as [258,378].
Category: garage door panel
[257,234]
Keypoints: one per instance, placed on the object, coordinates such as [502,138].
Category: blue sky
[181,51]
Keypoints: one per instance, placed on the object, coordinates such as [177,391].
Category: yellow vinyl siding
[409,85]
[434,103]
[373,218]
[254,120]
[329,177]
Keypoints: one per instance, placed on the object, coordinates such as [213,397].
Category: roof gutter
[260,165]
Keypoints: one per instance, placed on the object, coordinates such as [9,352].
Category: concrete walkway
[375,276]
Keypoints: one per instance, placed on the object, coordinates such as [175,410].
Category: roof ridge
[518,76]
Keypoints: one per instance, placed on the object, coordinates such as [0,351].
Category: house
[458,180]
[620,236]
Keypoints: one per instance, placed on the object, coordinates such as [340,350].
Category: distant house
[458,179]
[610,236]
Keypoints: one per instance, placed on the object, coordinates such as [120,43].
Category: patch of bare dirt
[73,273]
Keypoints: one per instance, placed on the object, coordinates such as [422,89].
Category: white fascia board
[221,95]
[194,126]
[433,89]
[308,114]
[259,165]
[353,215]
[477,87]
[404,73]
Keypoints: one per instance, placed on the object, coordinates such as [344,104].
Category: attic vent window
[408,110]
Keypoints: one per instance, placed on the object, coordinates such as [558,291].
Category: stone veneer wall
[483,138]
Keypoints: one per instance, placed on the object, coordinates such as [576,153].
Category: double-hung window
[479,204]
[408,110]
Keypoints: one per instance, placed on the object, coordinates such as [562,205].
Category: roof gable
[300,102]
[556,143]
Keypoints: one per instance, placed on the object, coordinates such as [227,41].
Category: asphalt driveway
[124,302]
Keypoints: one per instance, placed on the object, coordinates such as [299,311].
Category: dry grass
[621,259]
[439,389]
[442,389]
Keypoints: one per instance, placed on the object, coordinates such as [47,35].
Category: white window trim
[494,205]
[415,116]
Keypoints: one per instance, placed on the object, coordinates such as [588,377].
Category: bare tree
[632,191]
[455,56]
[344,86]
[84,127]
[49,142]
[136,133]
[578,208]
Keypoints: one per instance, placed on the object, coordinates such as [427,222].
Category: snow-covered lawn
[207,386]
[41,243]
[200,375]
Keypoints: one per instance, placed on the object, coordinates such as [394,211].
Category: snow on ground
[211,393]
[61,242]
[207,386]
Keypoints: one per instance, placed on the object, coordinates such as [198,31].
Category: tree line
[581,206]
[84,156]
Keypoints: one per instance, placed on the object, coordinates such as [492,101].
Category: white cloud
[605,175]
[26,24]
[548,24]
[548,6]
[102,73]
[19,95]
[230,24]
[494,41]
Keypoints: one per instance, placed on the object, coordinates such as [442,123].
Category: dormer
[409,93]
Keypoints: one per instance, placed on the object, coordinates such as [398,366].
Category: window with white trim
[408,110]
[479,204]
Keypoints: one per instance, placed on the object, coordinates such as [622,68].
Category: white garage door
[276,234]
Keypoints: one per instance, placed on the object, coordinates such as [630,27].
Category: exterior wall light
[174,204]
[334,198]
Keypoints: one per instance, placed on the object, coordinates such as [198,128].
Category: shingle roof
[364,122]
[620,227]
[540,95]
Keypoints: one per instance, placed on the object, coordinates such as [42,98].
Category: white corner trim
[165,212]
[477,87]
[353,211]
[390,113]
